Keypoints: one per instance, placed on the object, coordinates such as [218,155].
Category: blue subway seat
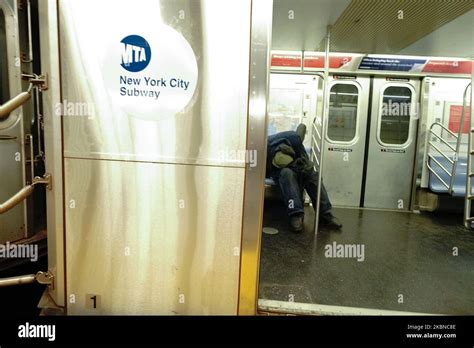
[270,182]
[459,187]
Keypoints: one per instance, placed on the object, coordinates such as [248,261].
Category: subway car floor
[408,265]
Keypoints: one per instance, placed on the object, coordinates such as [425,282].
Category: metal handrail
[463,113]
[436,174]
[317,131]
[453,162]
[461,126]
[39,81]
[445,128]
[18,280]
[315,156]
[316,143]
[444,141]
[45,278]
[456,149]
[25,192]
[440,165]
[441,152]
[467,199]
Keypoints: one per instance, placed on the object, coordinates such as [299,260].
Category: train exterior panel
[169,190]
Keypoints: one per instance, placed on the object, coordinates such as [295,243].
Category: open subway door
[157,119]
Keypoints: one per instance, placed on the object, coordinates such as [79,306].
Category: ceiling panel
[388,26]
[372,26]
[454,39]
[301,24]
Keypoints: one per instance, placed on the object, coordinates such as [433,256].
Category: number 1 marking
[94,298]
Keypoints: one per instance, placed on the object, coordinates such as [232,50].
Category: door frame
[254,184]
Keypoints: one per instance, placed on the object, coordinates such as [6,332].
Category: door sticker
[151,72]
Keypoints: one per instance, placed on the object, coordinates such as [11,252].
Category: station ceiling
[376,26]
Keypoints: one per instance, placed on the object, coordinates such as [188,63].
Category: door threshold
[297,308]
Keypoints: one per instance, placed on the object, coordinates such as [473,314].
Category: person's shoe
[330,221]
[296,222]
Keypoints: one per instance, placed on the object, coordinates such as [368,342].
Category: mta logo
[136,53]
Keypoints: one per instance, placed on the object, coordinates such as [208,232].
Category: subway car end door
[344,148]
[392,143]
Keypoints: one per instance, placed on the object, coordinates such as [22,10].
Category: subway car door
[12,222]
[345,139]
[391,143]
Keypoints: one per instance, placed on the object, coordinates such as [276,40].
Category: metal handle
[7,137]
[45,278]
[14,103]
[25,192]
[24,279]
[40,81]
[21,195]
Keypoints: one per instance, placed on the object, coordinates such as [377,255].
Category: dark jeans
[292,185]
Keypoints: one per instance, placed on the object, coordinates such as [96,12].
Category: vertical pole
[458,140]
[467,199]
[323,123]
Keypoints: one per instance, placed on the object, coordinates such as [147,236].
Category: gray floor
[405,254]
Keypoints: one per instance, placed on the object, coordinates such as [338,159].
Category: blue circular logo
[136,53]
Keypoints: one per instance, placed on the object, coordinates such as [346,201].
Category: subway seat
[459,187]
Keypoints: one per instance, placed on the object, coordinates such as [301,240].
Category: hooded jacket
[290,138]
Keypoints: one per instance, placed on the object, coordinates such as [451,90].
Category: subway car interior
[237,157]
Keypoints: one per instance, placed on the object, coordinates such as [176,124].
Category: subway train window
[342,119]
[395,117]
[4,93]
[284,109]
